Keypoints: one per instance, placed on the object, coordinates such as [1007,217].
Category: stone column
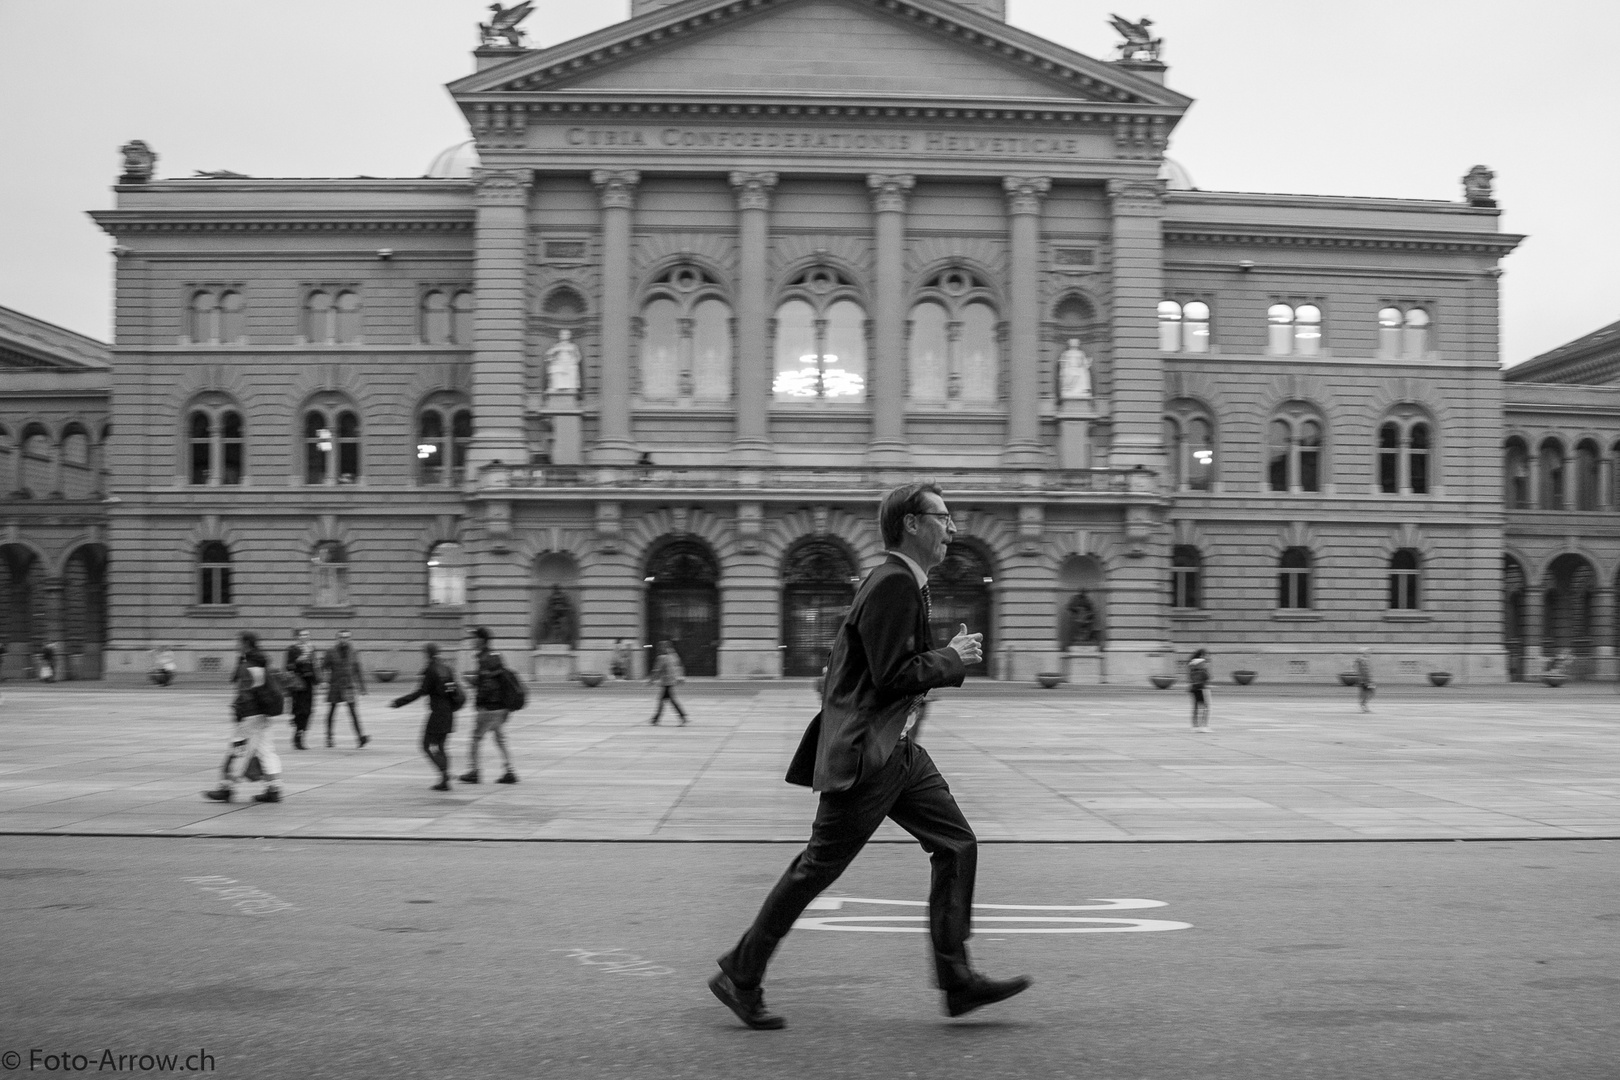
[752,445]
[1535,606]
[617,191]
[1603,666]
[1024,195]
[502,199]
[1605,482]
[886,384]
[1138,391]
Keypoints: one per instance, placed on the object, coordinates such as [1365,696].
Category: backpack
[513,695]
[453,690]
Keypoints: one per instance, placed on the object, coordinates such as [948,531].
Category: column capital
[1137,196]
[1024,193]
[503,185]
[616,189]
[753,189]
[889,191]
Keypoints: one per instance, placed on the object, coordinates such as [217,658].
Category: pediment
[30,344]
[872,48]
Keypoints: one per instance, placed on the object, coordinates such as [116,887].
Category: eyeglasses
[950,522]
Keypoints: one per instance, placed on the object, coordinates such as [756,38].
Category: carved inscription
[932,142]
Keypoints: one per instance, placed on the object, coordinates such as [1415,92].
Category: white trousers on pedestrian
[252,735]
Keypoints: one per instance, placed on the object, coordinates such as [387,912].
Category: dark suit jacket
[880,662]
[435,686]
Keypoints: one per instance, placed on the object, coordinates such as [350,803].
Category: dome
[1176,177]
[454,163]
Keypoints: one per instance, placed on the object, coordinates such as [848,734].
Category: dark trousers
[303,703]
[668,694]
[433,747]
[909,790]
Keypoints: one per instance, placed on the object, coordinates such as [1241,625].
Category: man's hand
[970,647]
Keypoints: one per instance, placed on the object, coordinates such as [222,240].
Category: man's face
[303,637]
[343,635]
[934,529]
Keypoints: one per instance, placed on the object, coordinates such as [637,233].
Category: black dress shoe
[982,991]
[749,1005]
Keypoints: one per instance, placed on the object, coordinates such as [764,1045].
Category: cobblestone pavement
[1073,764]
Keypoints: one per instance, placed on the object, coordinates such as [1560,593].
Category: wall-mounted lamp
[119,251]
[385,253]
[1245,265]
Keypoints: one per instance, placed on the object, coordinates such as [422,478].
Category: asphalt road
[445,959]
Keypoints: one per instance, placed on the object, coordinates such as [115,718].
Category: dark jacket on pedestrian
[344,678]
[301,662]
[881,663]
[434,685]
[489,689]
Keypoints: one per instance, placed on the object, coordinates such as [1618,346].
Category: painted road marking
[1048,924]
[245,898]
[619,962]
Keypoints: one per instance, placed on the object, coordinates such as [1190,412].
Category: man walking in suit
[859,755]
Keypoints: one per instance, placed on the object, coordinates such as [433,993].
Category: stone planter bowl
[1347,678]
[1243,678]
[591,678]
[1555,678]
[1439,678]
[1048,679]
[386,674]
[1163,682]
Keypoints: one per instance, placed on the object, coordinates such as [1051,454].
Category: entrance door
[818,584]
[683,605]
[960,590]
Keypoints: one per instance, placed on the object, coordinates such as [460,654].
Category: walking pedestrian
[666,674]
[1198,686]
[47,663]
[300,671]
[344,680]
[252,748]
[492,698]
[437,684]
[858,754]
[1364,678]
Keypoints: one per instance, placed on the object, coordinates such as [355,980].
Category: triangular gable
[30,344]
[876,48]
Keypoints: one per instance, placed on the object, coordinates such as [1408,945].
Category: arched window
[1294,579]
[820,341]
[37,464]
[1415,334]
[1189,438]
[1417,458]
[1586,475]
[346,320]
[1405,443]
[463,307]
[430,448]
[1195,327]
[1389,331]
[230,447]
[1389,458]
[1186,568]
[1516,475]
[953,354]
[1403,332]
[77,483]
[320,321]
[1294,456]
[200,435]
[1294,331]
[686,350]
[202,318]
[461,436]
[232,317]
[329,575]
[1403,580]
[331,449]
[433,326]
[1280,329]
[348,447]
[318,447]
[1552,475]
[447,575]
[1169,326]
[213,574]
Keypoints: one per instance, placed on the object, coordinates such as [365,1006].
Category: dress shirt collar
[916,571]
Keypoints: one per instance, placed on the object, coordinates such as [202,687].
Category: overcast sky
[1376,97]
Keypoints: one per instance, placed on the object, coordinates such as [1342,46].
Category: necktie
[928,604]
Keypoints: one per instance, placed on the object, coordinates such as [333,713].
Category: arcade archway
[683,603]
[818,584]
[1513,592]
[1567,620]
[960,590]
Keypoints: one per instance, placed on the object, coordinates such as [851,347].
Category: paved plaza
[1094,764]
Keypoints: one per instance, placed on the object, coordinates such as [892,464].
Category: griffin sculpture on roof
[503,23]
[1139,44]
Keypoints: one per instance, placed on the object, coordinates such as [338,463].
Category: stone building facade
[53,518]
[727,270]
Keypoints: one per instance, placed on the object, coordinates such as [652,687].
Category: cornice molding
[503,186]
[1499,244]
[1046,60]
[121,222]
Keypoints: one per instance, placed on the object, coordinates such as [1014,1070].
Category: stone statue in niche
[557,620]
[562,365]
[1477,186]
[1074,373]
[503,23]
[1082,622]
[140,161]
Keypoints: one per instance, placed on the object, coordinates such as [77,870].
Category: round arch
[1514,586]
[1569,589]
[819,575]
[682,577]
[22,605]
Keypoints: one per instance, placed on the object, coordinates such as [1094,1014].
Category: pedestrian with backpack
[497,692]
[252,749]
[1198,687]
[438,684]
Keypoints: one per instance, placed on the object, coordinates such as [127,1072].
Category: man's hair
[892,511]
[482,633]
[431,649]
